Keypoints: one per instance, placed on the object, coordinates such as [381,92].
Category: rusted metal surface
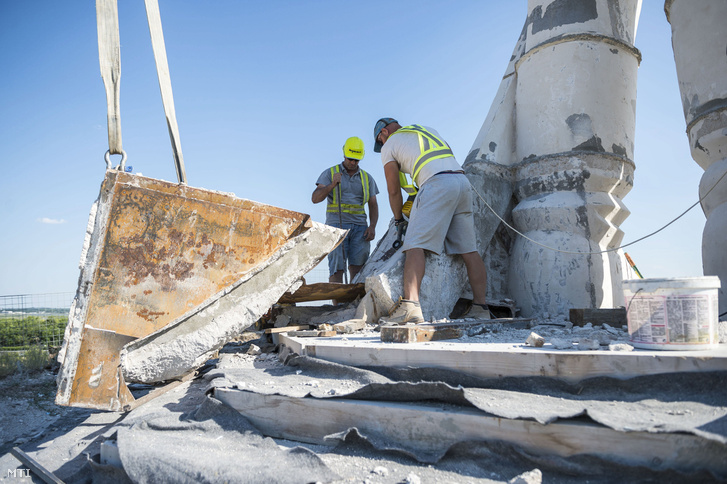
[162,250]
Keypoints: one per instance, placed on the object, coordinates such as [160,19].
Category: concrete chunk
[189,341]
[444,282]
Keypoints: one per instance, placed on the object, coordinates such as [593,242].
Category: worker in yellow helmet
[348,189]
[441,218]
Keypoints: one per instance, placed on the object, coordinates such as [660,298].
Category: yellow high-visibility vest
[351,208]
[432,148]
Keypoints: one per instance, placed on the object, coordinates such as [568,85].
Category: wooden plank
[286,329]
[33,465]
[442,331]
[613,317]
[493,360]
[158,391]
[312,333]
[323,291]
[431,430]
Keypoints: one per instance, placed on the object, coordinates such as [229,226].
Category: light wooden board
[285,329]
[432,430]
[502,359]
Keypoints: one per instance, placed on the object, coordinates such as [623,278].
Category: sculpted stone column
[568,141]
[699,40]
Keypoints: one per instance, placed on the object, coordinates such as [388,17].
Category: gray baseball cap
[381,124]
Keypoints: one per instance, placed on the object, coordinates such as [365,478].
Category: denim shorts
[356,247]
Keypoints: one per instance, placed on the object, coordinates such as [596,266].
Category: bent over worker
[441,218]
[348,189]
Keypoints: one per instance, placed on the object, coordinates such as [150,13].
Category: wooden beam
[323,291]
[431,430]
[492,360]
[419,333]
[40,471]
[312,333]
[286,329]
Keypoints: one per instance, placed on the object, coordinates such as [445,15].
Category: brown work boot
[478,311]
[405,311]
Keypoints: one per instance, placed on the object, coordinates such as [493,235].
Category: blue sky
[265,95]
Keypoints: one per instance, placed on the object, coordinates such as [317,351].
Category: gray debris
[535,340]
[620,347]
[531,477]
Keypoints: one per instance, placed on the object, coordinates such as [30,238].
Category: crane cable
[602,251]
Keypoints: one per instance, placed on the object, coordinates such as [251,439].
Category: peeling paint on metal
[580,125]
[592,144]
[618,149]
[472,156]
[562,12]
[616,16]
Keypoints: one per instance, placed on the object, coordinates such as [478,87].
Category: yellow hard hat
[353,148]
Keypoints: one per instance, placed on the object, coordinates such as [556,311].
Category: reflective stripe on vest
[431,147]
[349,207]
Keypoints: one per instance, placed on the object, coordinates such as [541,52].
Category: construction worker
[441,217]
[348,188]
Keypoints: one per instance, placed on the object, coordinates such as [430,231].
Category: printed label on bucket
[676,319]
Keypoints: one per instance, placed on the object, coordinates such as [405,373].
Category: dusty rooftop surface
[67,440]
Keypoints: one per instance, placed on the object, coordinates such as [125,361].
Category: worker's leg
[353,270]
[357,250]
[477,275]
[413,273]
[336,264]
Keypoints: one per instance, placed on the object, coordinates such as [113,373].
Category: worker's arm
[370,233]
[391,170]
[322,191]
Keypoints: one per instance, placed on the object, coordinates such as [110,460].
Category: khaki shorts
[441,219]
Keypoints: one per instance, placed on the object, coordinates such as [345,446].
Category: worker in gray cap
[441,218]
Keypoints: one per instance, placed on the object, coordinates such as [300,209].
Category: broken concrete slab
[153,251]
[445,279]
[350,326]
[494,360]
[189,341]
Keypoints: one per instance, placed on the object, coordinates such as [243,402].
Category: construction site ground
[187,435]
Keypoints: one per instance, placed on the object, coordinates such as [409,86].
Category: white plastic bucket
[672,313]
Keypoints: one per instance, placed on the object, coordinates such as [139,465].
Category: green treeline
[21,333]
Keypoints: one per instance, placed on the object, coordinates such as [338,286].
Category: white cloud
[46,220]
